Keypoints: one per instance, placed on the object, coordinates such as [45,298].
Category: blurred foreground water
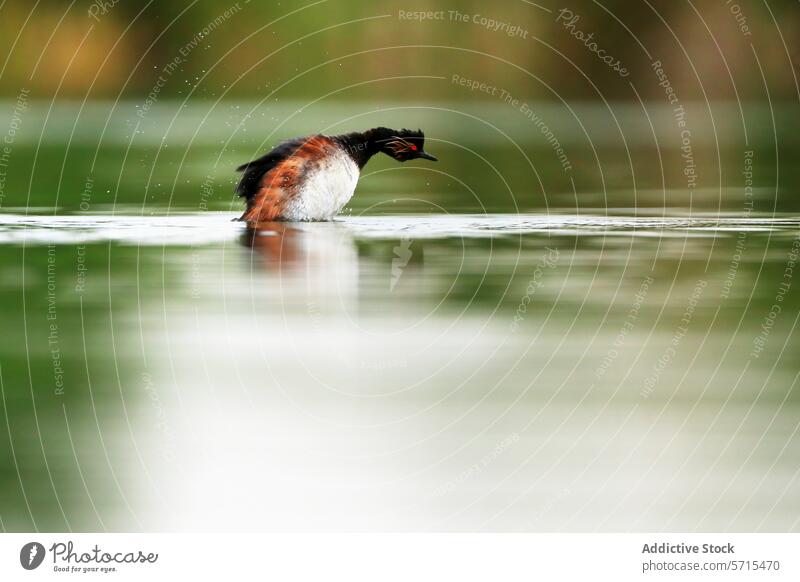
[553,371]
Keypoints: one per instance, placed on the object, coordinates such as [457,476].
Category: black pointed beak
[426,156]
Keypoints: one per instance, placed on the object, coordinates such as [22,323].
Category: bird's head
[403,144]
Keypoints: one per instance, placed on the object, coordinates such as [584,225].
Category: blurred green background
[78,49]
[148,102]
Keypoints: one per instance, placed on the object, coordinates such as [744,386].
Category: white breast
[326,189]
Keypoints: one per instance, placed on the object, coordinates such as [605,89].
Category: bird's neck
[361,146]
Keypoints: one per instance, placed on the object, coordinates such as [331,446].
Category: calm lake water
[517,372]
[493,342]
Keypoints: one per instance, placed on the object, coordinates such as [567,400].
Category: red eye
[413,148]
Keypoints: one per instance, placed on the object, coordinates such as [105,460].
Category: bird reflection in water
[316,263]
[276,243]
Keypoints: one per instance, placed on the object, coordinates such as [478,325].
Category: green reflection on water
[153,339]
[492,159]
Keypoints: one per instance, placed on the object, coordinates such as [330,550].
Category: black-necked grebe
[312,178]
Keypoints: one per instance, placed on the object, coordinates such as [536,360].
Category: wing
[272,182]
[250,181]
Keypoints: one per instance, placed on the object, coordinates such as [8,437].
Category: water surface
[540,371]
